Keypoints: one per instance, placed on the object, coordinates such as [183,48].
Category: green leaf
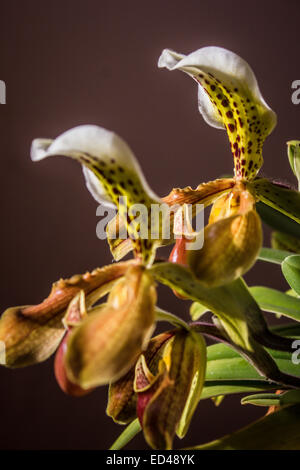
[273,256]
[228,387]
[290,397]
[292,293]
[293,148]
[283,241]
[277,431]
[196,387]
[262,399]
[291,271]
[233,385]
[290,330]
[243,377]
[223,363]
[127,435]
[237,311]
[217,400]
[163,315]
[197,310]
[277,220]
[232,303]
[272,300]
[279,197]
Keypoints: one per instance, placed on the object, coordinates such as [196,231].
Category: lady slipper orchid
[104,346]
[32,333]
[159,381]
[164,389]
[112,175]
[168,397]
[229,98]
[97,345]
[122,399]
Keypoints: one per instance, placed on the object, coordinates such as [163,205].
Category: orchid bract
[100,325]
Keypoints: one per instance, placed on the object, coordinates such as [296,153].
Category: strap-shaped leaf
[222,386]
[210,390]
[163,315]
[197,310]
[272,399]
[274,301]
[277,220]
[219,300]
[228,387]
[284,241]
[273,256]
[223,363]
[232,303]
[291,271]
[279,197]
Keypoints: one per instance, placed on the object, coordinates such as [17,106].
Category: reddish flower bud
[74,315]
[60,372]
[179,256]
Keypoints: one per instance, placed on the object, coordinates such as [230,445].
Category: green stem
[163,315]
[127,435]
[259,358]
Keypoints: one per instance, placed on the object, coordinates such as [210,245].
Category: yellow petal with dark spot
[229,98]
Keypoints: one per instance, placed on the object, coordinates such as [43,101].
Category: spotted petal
[205,194]
[111,171]
[228,98]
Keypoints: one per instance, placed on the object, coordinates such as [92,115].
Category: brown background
[72,62]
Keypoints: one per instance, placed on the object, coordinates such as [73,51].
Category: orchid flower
[164,387]
[229,98]
[112,175]
[98,344]
[160,380]
[95,345]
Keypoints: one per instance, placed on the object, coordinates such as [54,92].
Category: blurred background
[71,62]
